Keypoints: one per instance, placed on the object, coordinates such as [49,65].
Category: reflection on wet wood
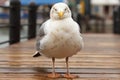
[99,60]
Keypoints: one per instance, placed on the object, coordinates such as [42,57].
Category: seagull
[59,37]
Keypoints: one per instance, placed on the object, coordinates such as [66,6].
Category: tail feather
[37,54]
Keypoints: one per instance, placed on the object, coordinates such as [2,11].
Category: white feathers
[62,35]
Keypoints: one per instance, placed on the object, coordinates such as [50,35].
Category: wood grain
[99,60]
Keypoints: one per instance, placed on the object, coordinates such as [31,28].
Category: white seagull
[59,37]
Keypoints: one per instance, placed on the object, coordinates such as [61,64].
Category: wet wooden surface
[99,60]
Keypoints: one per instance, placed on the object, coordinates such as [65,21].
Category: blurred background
[93,16]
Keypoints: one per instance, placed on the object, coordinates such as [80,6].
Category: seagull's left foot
[70,76]
[54,75]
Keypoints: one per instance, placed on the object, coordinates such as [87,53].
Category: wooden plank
[38,70]
[43,77]
[99,60]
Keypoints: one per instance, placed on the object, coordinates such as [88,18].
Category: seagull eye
[55,9]
[66,9]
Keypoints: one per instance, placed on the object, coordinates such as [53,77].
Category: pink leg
[53,74]
[68,75]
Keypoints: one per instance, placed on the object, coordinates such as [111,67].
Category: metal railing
[15,25]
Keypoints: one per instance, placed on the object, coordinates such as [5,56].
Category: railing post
[32,20]
[116,20]
[14,35]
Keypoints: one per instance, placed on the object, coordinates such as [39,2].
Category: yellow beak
[60,14]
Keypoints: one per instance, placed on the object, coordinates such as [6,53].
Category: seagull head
[60,11]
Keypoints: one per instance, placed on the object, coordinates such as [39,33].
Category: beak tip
[60,14]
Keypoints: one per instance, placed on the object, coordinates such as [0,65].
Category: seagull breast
[62,40]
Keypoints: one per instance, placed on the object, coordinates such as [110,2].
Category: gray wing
[82,43]
[40,35]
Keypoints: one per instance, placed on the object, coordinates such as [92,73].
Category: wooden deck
[99,60]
